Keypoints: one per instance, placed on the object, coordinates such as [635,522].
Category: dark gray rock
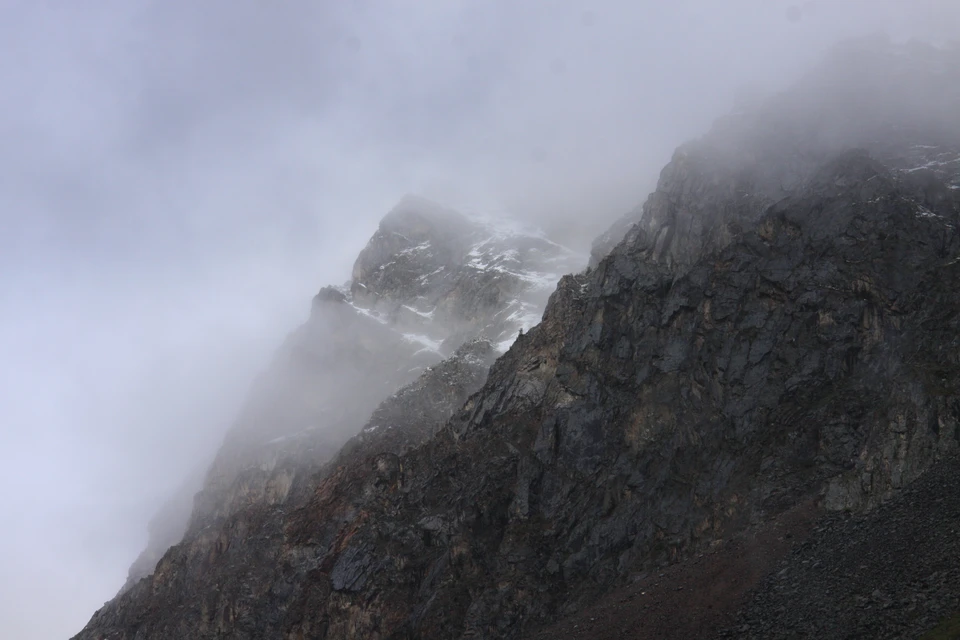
[892,573]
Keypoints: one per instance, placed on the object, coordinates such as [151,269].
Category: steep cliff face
[780,328]
[429,281]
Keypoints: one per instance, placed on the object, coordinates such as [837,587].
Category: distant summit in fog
[430,281]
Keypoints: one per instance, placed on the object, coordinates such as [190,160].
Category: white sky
[177,178]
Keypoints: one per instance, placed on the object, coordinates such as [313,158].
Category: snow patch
[428,343]
[368,313]
[427,276]
[923,212]
[423,246]
[504,345]
[540,281]
[473,360]
[423,314]
[527,317]
[934,163]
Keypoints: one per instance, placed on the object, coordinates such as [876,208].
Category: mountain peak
[434,272]
[417,217]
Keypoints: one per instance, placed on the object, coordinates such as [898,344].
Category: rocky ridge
[895,100]
[780,329]
[429,282]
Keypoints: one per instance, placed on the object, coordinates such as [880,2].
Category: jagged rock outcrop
[441,277]
[782,327]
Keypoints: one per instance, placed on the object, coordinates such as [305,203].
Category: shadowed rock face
[737,354]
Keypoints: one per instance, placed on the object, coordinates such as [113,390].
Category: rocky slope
[429,281]
[778,332]
[891,573]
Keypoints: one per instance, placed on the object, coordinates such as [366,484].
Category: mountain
[896,101]
[766,361]
[429,282]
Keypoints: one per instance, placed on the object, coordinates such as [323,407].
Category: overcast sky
[178,177]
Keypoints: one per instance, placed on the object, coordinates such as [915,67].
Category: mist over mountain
[432,291]
[181,179]
[767,355]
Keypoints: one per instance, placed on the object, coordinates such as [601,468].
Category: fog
[177,179]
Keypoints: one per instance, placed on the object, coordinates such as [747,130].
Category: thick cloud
[177,178]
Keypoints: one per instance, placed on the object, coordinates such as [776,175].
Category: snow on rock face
[446,277]
[937,161]
[429,283]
